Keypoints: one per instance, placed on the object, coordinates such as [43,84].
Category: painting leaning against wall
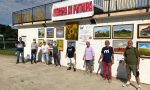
[143,31]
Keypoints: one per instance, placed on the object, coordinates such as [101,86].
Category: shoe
[104,78]
[17,62]
[31,62]
[69,68]
[139,88]
[74,69]
[126,84]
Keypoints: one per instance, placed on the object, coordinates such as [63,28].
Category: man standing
[45,52]
[70,53]
[56,54]
[20,49]
[89,57]
[34,48]
[107,56]
[132,61]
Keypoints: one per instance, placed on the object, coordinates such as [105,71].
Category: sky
[9,6]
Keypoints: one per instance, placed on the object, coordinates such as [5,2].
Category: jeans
[56,59]
[33,55]
[18,56]
[45,56]
[105,67]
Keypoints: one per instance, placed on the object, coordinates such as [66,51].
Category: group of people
[131,58]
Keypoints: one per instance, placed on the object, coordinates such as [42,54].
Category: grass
[145,52]
[7,52]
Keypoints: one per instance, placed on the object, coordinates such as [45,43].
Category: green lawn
[7,52]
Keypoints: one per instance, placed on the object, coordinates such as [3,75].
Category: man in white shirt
[45,52]
[34,48]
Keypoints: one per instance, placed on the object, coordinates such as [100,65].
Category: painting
[60,45]
[143,31]
[119,46]
[41,33]
[123,31]
[73,43]
[102,32]
[50,32]
[72,31]
[60,32]
[50,43]
[144,49]
[40,41]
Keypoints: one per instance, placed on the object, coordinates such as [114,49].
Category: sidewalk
[42,77]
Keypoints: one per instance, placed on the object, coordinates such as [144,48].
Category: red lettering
[69,10]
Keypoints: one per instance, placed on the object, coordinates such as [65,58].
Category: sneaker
[69,68]
[126,84]
[74,69]
[139,88]
[17,62]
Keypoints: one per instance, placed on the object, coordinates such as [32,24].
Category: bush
[8,52]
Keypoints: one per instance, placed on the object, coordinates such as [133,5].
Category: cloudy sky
[9,6]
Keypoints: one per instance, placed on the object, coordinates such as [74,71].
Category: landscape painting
[50,32]
[102,32]
[41,32]
[144,31]
[123,31]
[144,49]
[50,43]
[60,44]
[119,46]
[60,32]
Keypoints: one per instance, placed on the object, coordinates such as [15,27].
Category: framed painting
[102,32]
[50,32]
[144,49]
[60,32]
[60,45]
[40,41]
[72,31]
[41,33]
[143,31]
[72,42]
[50,43]
[123,31]
[119,46]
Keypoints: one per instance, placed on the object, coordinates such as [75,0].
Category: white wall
[98,44]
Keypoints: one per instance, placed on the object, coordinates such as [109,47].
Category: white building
[135,13]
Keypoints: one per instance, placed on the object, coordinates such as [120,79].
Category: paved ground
[42,77]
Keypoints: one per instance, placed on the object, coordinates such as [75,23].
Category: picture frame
[144,48]
[41,32]
[40,41]
[102,32]
[143,30]
[124,31]
[60,32]
[119,46]
[72,30]
[60,45]
[73,43]
[50,32]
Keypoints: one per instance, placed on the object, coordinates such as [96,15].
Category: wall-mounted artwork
[72,31]
[40,41]
[73,43]
[119,46]
[50,43]
[60,32]
[144,49]
[60,44]
[50,32]
[123,31]
[102,32]
[41,32]
[143,31]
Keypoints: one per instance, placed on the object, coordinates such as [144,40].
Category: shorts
[132,68]
[71,60]
[89,62]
